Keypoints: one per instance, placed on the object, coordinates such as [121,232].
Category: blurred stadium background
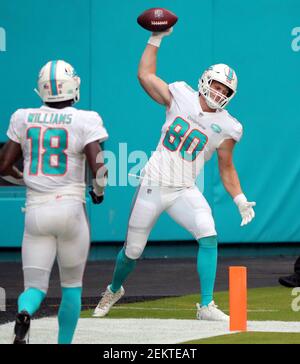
[259,39]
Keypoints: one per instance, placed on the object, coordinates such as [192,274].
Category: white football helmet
[223,74]
[58,81]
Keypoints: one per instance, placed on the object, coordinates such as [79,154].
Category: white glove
[245,208]
[157,37]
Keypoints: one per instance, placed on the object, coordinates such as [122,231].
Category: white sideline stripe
[139,331]
[262,310]
[175,309]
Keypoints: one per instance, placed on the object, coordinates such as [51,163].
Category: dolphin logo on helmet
[229,72]
[223,74]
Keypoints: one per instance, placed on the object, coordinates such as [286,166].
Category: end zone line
[176,309]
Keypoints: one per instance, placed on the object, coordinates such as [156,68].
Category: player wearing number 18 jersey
[196,126]
[55,140]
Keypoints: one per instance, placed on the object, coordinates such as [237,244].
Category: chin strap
[37,92]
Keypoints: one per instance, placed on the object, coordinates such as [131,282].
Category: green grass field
[252,338]
[264,304]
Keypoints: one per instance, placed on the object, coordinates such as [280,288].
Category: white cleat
[211,313]
[107,301]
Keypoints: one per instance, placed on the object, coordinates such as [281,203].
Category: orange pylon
[238,298]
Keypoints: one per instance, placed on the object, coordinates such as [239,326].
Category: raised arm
[231,181]
[152,84]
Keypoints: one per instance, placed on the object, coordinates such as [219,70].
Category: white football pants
[187,206]
[58,228]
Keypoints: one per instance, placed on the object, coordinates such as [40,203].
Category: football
[157,19]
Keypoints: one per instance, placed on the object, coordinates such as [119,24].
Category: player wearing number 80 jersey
[189,138]
[196,126]
[55,140]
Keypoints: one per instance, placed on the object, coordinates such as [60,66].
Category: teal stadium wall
[104,43]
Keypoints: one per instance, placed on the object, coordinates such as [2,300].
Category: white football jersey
[188,139]
[52,142]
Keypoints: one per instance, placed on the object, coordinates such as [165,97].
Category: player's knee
[71,276]
[36,278]
[133,251]
[205,227]
[136,241]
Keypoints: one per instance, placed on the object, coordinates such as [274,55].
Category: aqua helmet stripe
[230,74]
[53,78]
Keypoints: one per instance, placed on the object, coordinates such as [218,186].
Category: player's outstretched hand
[164,33]
[157,37]
[95,198]
[246,209]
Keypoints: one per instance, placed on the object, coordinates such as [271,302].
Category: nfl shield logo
[158,13]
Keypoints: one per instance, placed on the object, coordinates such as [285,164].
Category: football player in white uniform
[55,141]
[196,126]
